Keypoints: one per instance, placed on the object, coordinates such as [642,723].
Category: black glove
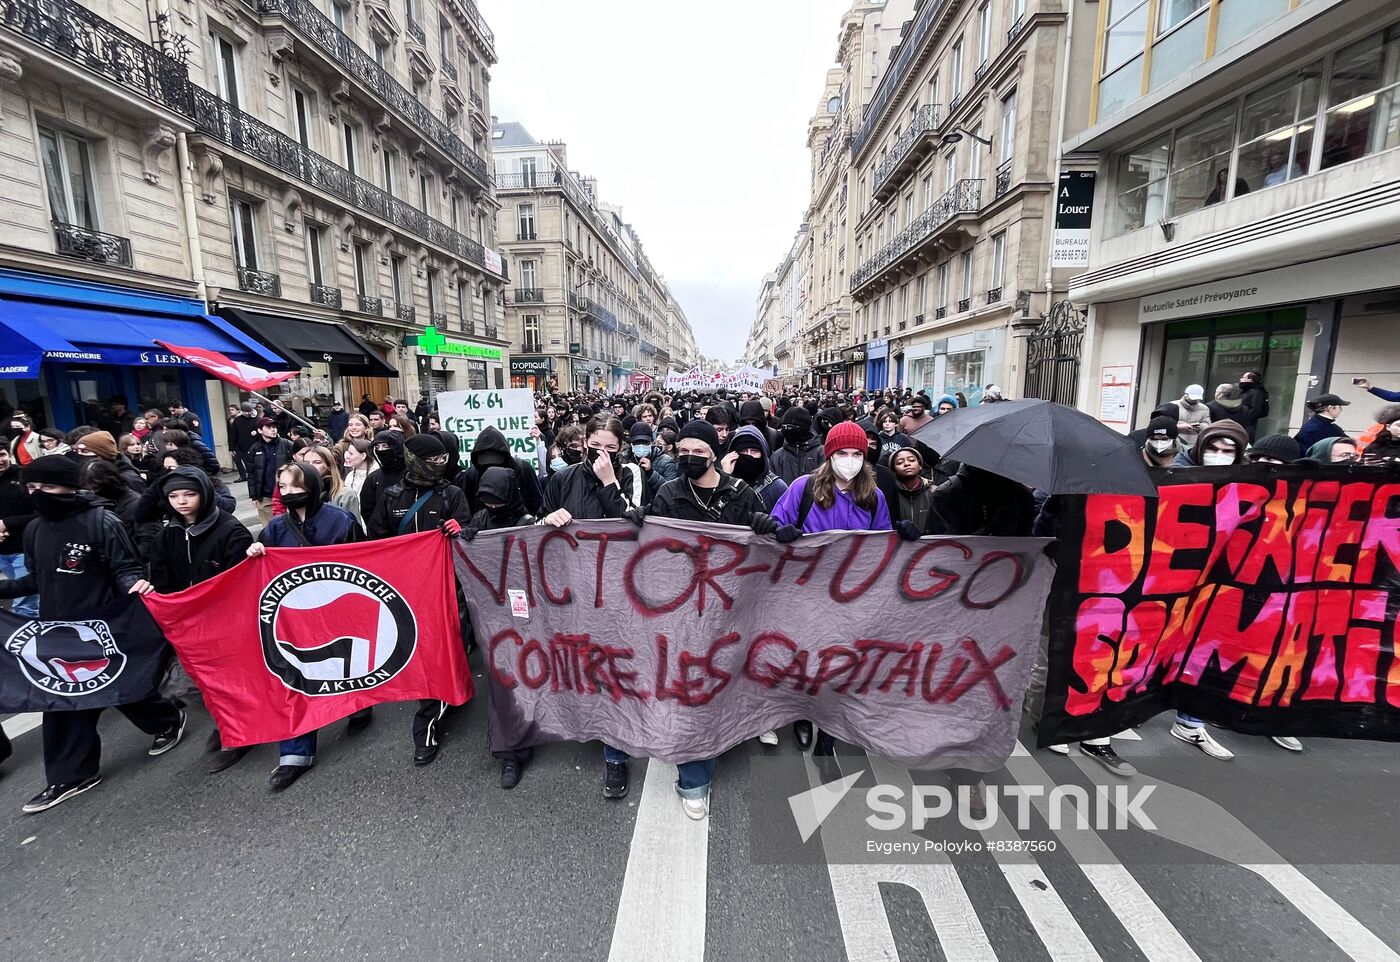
[764,524]
[908,530]
[635,515]
[788,533]
[468,533]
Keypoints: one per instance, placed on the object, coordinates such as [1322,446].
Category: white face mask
[1217,459]
[847,466]
[1161,447]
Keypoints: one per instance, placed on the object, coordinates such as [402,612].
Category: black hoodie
[499,486]
[79,562]
[492,450]
[183,555]
[16,510]
[390,470]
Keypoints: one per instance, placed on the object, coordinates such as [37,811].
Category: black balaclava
[390,460]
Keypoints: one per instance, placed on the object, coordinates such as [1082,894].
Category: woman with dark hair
[356,463]
[104,479]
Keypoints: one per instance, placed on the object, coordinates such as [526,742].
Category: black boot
[826,745]
[802,731]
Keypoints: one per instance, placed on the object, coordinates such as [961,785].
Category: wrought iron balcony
[438,319]
[474,16]
[577,302]
[491,331]
[1003,178]
[329,296]
[415,30]
[1015,29]
[993,295]
[469,327]
[526,235]
[476,100]
[405,312]
[980,72]
[964,197]
[531,346]
[75,33]
[913,144]
[259,282]
[901,326]
[941,313]
[606,319]
[918,320]
[965,304]
[70,240]
[905,57]
[322,33]
[450,69]
[239,130]
[371,305]
[529,295]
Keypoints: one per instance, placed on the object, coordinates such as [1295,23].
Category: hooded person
[947,404]
[388,454]
[748,460]
[1192,414]
[884,477]
[1332,451]
[492,450]
[1219,444]
[422,500]
[81,562]
[1384,439]
[979,502]
[801,452]
[1159,443]
[828,419]
[913,498]
[753,414]
[1227,404]
[104,480]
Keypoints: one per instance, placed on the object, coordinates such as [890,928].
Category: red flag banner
[225,368]
[292,641]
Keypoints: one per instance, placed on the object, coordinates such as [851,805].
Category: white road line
[1321,910]
[1142,919]
[19,724]
[661,913]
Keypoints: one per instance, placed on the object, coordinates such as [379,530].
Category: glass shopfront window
[964,373]
[1217,350]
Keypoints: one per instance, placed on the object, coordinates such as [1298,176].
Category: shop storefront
[832,376]
[877,353]
[447,363]
[854,361]
[76,353]
[963,363]
[535,372]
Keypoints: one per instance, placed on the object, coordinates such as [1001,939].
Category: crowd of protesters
[148,509]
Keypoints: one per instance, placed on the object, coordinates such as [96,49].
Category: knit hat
[641,431]
[833,416]
[100,443]
[1278,446]
[799,416]
[703,431]
[847,434]
[425,446]
[1161,429]
[53,469]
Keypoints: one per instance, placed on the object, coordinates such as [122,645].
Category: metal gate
[1052,355]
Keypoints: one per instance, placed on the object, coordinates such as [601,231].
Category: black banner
[113,658]
[1262,598]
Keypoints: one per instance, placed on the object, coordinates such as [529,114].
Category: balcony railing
[577,302]
[329,296]
[1003,178]
[605,318]
[259,282]
[993,295]
[70,240]
[438,319]
[980,72]
[476,100]
[371,305]
[450,69]
[405,312]
[964,305]
[904,57]
[223,121]
[923,124]
[491,331]
[100,47]
[526,235]
[333,41]
[415,30]
[918,320]
[529,295]
[529,346]
[941,313]
[1015,29]
[964,197]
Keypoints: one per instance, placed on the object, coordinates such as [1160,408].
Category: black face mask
[54,506]
[613,456]
[571,456]
[748,468]
[297,499]
[498,511]
[693,466]
[795,434]
[389,458]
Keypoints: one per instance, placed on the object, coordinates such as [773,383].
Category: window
[1276,134]
[527,274]
[928,191]
[432,293]
[1126,33]
[965,267]
[409,11]
[463,302]
[955,81]
[1200,153]
[425,191]
[68,176]
[1008,128]
[950,169]
[998,260]
[245,234]
[350,135]
[921,295]
[388,156]
[984,33]
[398,276]
[528,172]
[530,333]
[340,16]
[1173,12]
[364,257]
[447,44]
[974,164]
[525,217]
[943,285]
[1018,10]
[904,303]
[933,88]
[381,52]
[315,245]
[894,222]
[302,113]
[1142,184]
[225,68]
[908,208]
[1363,99]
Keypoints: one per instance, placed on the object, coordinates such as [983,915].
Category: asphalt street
[367,857]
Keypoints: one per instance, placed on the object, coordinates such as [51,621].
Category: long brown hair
[862,491]
[330,484]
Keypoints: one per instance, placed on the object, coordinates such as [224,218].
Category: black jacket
[1253,408]
[278,452]
[577,490]
[184,555]
[492,450]
[913,505]
[16,511]
[498,485]
[389,474]
[792,462]
[977,502]
[395,501]
[336,423]
[77,563]
[731,502]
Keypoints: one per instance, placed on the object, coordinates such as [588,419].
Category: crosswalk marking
[17,725]
[661,912]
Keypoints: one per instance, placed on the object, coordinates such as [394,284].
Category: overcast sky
[693,117]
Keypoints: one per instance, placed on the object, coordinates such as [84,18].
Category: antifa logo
[67,657]
[331,629]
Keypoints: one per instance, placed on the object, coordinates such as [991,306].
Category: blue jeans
[693,778]
[1189,721]
[614,755]
[12,566]
[299,752]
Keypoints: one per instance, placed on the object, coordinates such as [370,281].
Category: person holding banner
[307,522]
[421,501]
[388,452]
[80,560]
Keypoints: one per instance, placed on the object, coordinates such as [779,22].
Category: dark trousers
[240,464]
[427,721]
[521,755]
[72,748]
[6,749]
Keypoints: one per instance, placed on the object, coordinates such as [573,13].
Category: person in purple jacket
[840,495]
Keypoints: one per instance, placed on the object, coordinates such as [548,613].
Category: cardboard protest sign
[511,411]
[678,640]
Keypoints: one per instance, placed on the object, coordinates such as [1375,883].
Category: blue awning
[73,333]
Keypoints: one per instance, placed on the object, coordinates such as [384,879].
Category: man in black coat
[266,456]
[492,450]
[242,430]
[388,452]
[16,511]
[801,452]
[1254,403]
[80,560]
[337,421]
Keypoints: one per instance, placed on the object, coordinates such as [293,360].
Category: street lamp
[957,133]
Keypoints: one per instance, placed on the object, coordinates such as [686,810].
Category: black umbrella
[1046,445]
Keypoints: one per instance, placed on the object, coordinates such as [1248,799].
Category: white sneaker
[1202,740]
[1287,741]
[768,738]
[696,808]
[1059,749]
